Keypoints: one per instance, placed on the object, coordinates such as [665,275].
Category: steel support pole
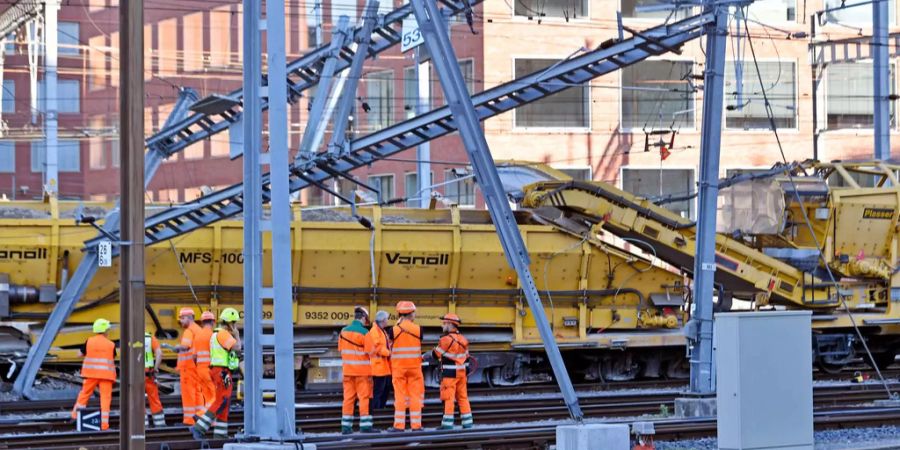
[882,78]
[701,330]
[434,30]
[423,151]
[51,98]
[252,198]
[131,176]
[337,146]
[279,423]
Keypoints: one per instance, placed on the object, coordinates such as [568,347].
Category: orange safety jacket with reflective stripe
[200,347]
[453,352]
[351,344]
[406,351]
[99,358]
[188,336]
[379,349]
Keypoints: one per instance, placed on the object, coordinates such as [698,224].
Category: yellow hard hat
[101,325]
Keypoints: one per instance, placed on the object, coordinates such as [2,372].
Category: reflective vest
[186,358]
[352,345]
[99,359]
[379,350]
[201,345]
[453,352]
[149,356]
[220,356]
[406,351]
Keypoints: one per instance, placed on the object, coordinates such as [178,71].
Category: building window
[773,10]
[192,42]
[567,9]
[857,15]
[849,96]
[410,91]
[411,185]
[68,96]
[220,36]
[311,23]
[462,192]
[383,184]
[749,112]
[9,96]
[343,8]
[68,160]
[7,157]
[656,183]
[114,155]
[467,66]
[97,154]
[68,38]
[577,173]
[656,94]
[380,98]
[632,9]
[10,44]
[565,109]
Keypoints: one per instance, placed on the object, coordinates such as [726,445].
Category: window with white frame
[68,38]
[411,184]
[68,160]
[461,192]
[537,9]
[748,111]
[380,99]
[849,93]
[383,184]
[312,22]
[68,96]
[634,9]
[577,173]
[657,183]
[410,91]
[343,8]
[10,44]
[9,96]
[857,15]
[7,156]
[773,11]
[565,109]
[656,95]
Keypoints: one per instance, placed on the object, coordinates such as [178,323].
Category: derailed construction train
[613,270]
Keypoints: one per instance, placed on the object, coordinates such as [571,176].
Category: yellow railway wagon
[616,309]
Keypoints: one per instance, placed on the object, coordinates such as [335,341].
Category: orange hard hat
[185,312]
[452,318]
[406,307]
[207,315]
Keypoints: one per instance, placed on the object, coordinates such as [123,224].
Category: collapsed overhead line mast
[610,56]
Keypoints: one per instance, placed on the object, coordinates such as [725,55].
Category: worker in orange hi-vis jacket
[98,370]
[191,397]
[453,353]
[200,348]
[357,372]
[378,346]
[406,369]
[152,360]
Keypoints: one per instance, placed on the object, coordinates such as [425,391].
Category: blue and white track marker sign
[410,37]
[88,421]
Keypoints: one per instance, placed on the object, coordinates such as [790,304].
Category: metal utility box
[764,393]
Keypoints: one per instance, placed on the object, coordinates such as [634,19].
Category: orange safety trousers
[87,390]
[356,389]
[191,396]
[409,392]
[152,389]
[206,386]
[455,390]
[216,417]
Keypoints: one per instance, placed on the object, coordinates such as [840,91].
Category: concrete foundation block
[268,446]
[695,407]
[593,437]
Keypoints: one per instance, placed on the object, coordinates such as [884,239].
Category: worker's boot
[365,424]
[346,430]
[446,422]
[467,421]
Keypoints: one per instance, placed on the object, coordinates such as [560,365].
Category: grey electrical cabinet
[764,380]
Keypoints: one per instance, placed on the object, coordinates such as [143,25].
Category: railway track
[320,421]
